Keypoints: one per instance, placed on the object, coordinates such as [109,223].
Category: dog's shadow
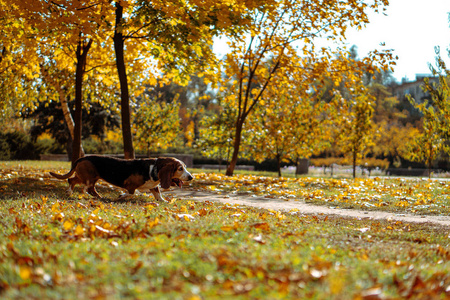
[35,188]
[128,200]
[28,187]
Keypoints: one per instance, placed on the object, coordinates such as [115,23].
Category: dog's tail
[65,176]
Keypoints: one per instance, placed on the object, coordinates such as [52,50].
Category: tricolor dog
[134,174]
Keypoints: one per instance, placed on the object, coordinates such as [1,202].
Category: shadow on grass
[30,187]
[35,188]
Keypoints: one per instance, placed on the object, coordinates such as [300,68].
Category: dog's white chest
[149,184]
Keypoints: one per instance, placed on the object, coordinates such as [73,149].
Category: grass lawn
[54,246]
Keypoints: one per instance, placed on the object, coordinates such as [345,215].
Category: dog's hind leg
[72,182]
[91,189]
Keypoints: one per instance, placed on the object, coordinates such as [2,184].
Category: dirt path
[306,208]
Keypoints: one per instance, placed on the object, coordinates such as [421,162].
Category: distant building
[413,88]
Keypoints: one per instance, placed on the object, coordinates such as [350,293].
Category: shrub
[17,146]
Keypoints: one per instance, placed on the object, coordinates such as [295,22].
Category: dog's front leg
[157,194]
[124,196]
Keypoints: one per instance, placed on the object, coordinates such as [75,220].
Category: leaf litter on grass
[127,249]
[52,246]
[413,195]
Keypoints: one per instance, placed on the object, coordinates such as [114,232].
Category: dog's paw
[69,192]
[123,196]
[161,199]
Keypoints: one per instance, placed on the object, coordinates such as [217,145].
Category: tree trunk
[124,94]
[69,148]
[354,164]
[68,118]
[279,165]
[237,144]
[302,166]
[3,53]
[429,159]
[82,51]
[65,108]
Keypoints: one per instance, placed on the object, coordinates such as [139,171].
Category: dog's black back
[116,170]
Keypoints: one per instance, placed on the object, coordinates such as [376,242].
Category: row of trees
[64,48]
[276,94]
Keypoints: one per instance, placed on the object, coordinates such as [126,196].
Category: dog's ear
[166,171]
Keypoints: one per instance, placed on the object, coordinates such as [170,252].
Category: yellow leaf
[337,284]
[79,230]
[55,207]
[149,207]
[262,226]
[58,217]
[25,272]
[153,223]
[68,225]
[226,228]
[44,199]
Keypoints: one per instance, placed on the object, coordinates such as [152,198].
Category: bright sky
[412,28]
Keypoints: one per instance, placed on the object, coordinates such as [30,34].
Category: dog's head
[172,171]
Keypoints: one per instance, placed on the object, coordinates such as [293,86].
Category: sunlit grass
[54,246]
[400,195]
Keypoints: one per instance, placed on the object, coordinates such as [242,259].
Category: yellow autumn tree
[19,67]
[174,36]
[356,127]
[289,124]
[269,46]
[156,125]
[434,135]
[64,33]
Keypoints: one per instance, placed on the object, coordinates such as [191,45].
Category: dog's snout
[190,177]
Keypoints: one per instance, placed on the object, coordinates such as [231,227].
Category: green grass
[52,246]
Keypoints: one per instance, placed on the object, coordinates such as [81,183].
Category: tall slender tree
[81,53]
[119,44]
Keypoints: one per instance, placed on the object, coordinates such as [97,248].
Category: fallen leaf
[79,230]
[374,293]
[226,228]
[25,272]
[67,225]
[259,239]
[262,226]
[186,217]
